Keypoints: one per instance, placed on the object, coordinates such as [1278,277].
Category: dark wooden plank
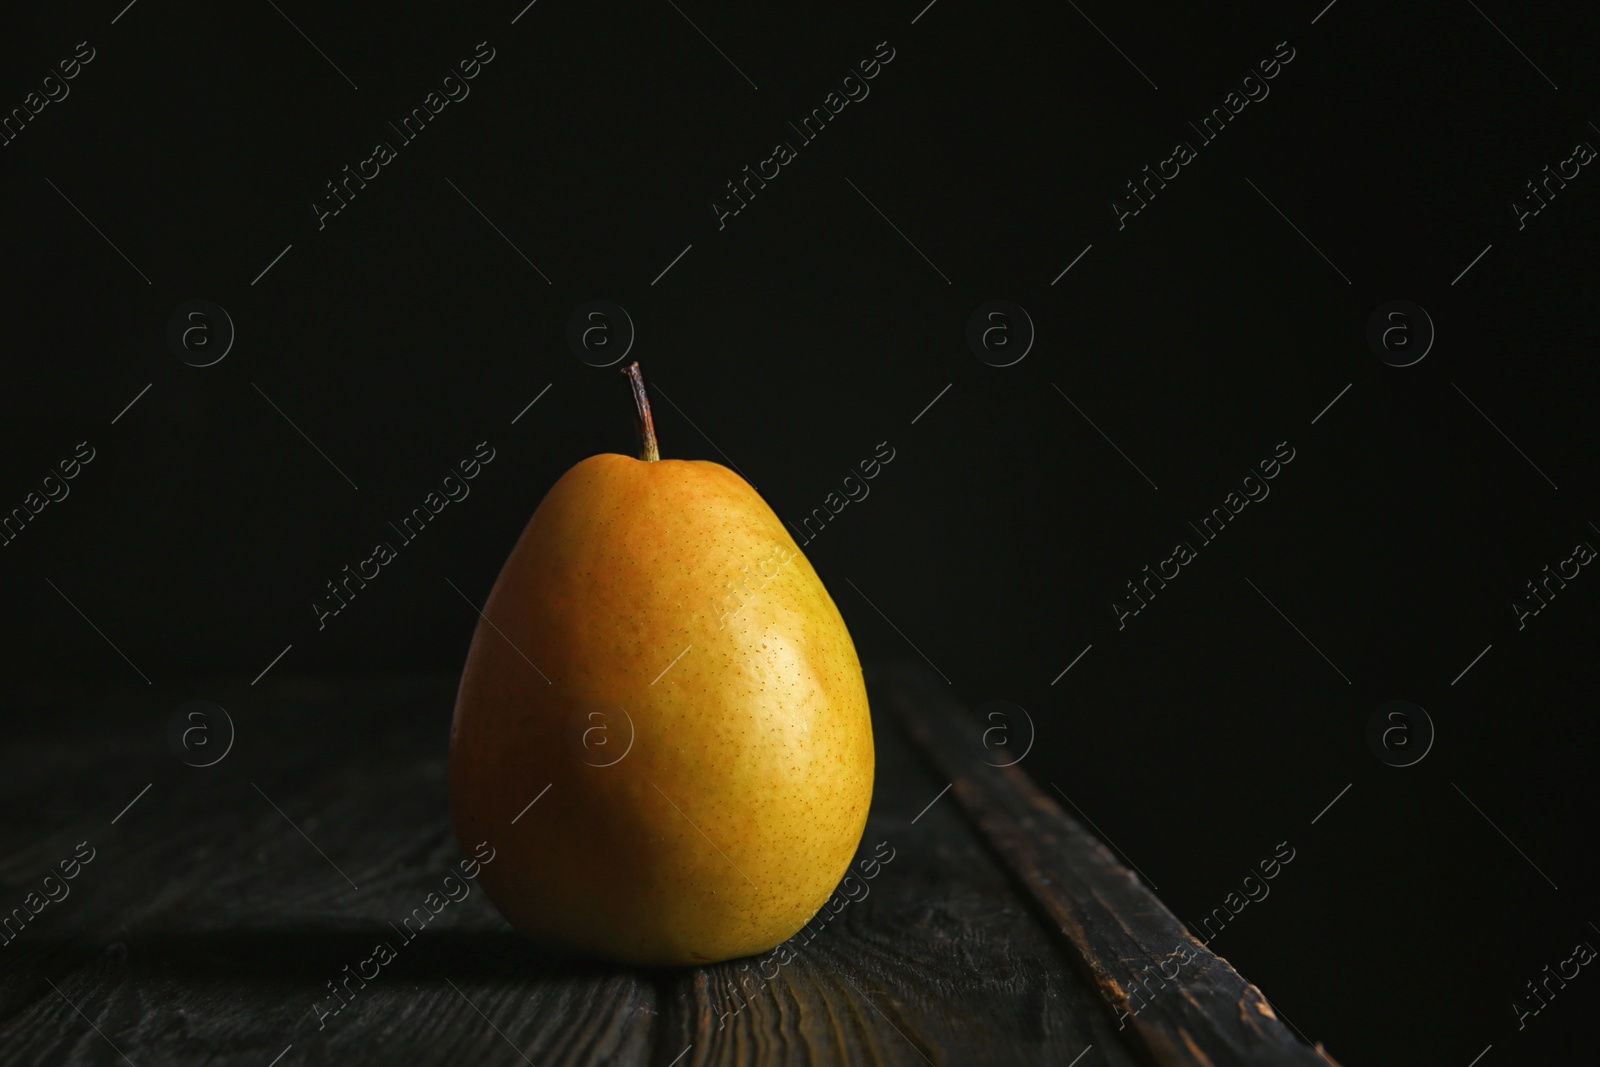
[244,997]
[208,927]
[1175,1001]
[942,960]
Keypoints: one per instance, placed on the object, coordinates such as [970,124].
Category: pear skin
[659,653]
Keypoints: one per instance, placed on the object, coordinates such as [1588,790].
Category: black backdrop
[373,353]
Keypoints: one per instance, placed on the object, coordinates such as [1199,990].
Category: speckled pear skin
[715,802]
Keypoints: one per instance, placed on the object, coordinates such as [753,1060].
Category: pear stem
[647,427]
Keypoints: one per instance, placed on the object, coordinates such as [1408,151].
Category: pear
[662,728]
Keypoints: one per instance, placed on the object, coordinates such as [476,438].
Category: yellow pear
[662,729]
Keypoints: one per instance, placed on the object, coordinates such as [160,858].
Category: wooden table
[221,905]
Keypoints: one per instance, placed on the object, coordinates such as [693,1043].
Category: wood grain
[208,927]
[1178,1002]
[222,905]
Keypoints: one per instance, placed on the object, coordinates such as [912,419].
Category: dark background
[808,330]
